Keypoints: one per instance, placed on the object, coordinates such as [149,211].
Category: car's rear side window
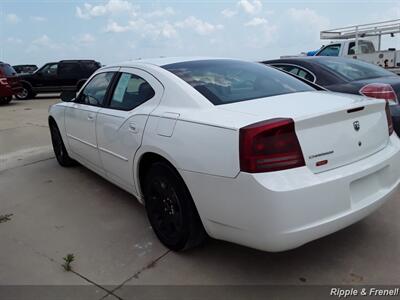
[91,66]
[224,81]
[353,69]
[69,70]
[130,92]
[297,71]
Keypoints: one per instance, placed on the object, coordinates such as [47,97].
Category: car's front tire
[171,210]
[59,148]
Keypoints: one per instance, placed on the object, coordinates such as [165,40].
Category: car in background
[347,75]
[9,83]
[56,77]
[22,69]
[233,149]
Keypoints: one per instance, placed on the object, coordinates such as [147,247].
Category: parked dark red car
[9,83]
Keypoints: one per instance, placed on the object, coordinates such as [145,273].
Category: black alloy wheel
[171,210]
[59,148]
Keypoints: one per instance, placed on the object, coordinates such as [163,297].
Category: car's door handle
[90,117]
[133,128]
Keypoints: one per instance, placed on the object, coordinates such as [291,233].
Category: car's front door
[80,119]
[46,79]
[121,123]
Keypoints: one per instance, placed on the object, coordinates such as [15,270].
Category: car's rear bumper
[283,210]
[8,90]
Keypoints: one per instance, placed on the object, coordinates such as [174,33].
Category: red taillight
[3,81]
[389,118]
[379,91]
[270,145]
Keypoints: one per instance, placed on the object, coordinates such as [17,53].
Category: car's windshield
[352,69]
[224,81]
[7,70]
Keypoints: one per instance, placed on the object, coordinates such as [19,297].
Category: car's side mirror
[67,96]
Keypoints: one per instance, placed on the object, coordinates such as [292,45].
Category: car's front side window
[130,92]
[95,91]
[331,50]
[50,70]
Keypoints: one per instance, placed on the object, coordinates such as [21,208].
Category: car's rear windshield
[224,81]
[7,70]
[353,69]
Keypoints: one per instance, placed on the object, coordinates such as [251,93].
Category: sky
[117,30]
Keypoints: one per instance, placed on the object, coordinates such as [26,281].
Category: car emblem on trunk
[356,125]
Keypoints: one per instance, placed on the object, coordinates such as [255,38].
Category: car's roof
[308,59]
[24,65]
[161,61]
[77,60]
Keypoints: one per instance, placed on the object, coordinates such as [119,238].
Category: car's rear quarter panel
[57,112]
[196,147]
[204,139]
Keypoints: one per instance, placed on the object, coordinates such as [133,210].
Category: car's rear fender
[26,83]
[57,113]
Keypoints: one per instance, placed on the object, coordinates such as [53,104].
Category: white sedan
[230,149]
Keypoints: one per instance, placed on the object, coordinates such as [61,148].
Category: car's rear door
[120,125]
[69,73]
[80,118]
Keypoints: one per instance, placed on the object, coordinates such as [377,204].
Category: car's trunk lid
[333,129]
[338,138]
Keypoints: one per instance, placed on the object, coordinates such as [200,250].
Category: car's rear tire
[25,93]
[171,210]
[5,100]
[59,148]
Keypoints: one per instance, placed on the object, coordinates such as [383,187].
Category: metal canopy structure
[364,30]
